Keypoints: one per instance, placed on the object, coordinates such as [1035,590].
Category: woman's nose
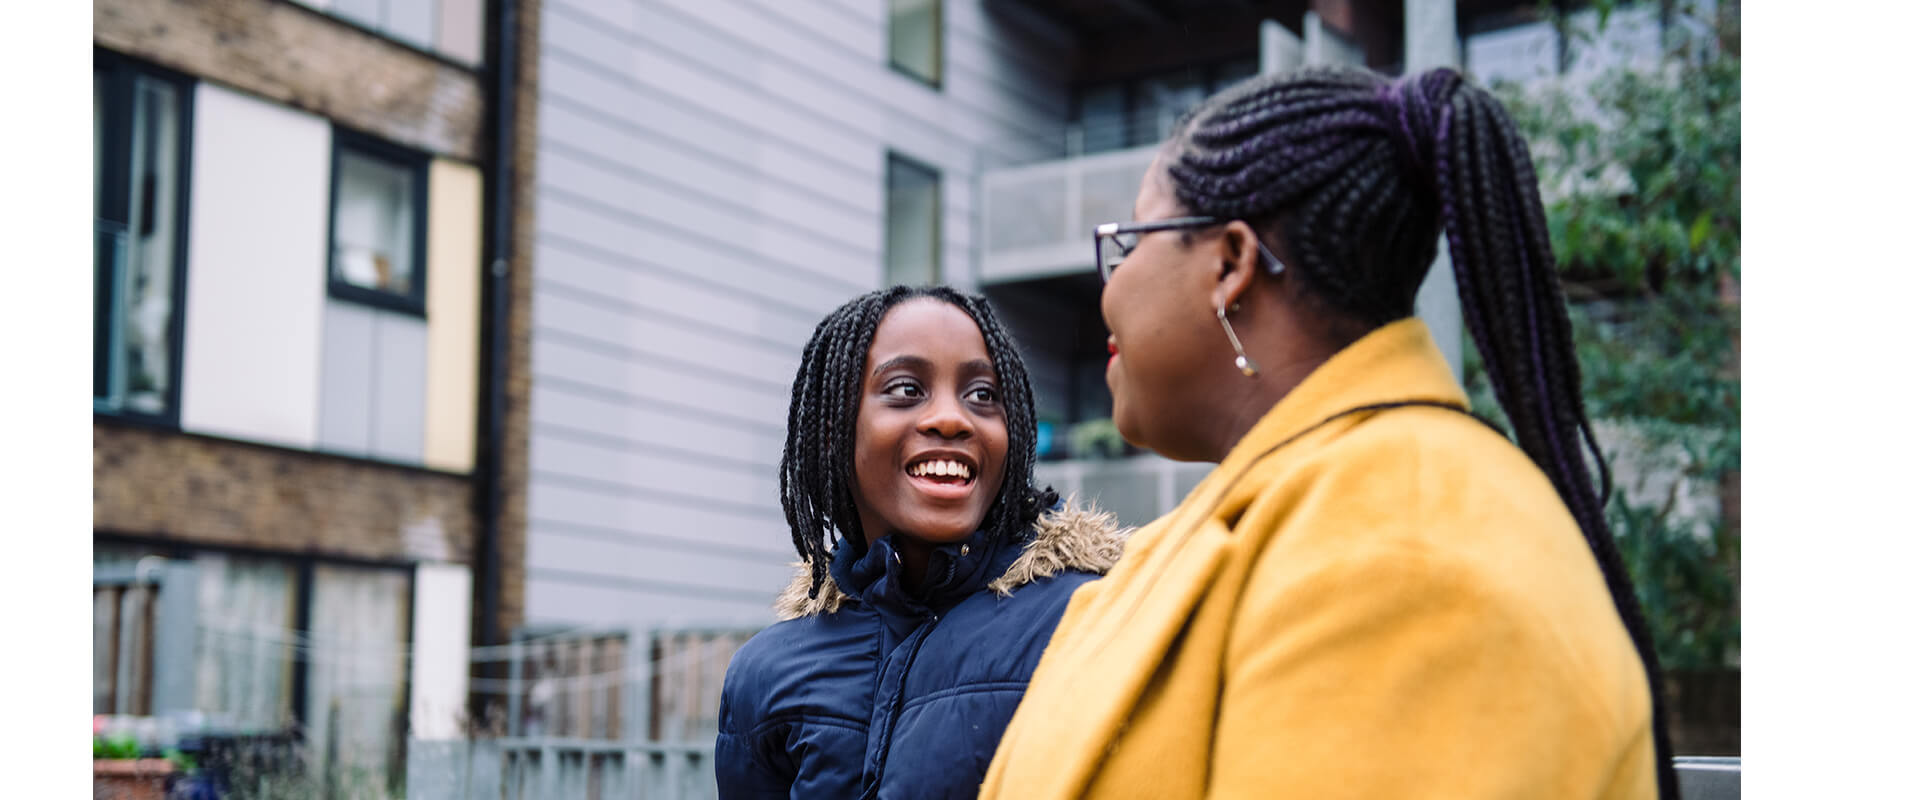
[946,419]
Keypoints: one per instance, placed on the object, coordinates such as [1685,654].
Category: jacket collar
[1066,538]
[1396,362]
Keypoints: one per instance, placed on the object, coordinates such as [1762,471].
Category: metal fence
[591,715]
[548,768]
[564,769]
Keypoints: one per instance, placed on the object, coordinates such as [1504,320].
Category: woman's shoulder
[1072,543]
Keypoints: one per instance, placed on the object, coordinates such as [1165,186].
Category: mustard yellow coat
[1394,604]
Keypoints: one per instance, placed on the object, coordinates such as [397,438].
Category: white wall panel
[442,597]
[255,269]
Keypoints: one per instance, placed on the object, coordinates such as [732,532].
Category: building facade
[716,176]
[301,366]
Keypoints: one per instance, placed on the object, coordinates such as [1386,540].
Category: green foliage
[1097,438]
[1690,599]
[1644,166]
[121,746]
[181,761]
[1641,174]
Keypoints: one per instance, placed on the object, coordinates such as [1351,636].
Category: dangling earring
[1240,359]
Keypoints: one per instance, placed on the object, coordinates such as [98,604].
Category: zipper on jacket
[899,704]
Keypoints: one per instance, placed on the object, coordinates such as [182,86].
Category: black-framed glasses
[1114,241]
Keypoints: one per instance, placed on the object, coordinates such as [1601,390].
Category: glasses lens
[1113,250]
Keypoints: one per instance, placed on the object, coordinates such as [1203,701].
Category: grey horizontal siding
[591,504]
[627,558]
[564,598]
[564,410]
[710,183]
[582,220]
[673,383]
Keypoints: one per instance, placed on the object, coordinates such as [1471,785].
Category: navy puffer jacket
[869,690]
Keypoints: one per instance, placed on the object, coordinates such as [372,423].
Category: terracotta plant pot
[131,778]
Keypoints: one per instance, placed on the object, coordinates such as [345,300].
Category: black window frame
[115,187]
[414,302]
[937,81]
[897,160]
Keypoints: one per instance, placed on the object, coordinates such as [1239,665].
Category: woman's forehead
[928,328]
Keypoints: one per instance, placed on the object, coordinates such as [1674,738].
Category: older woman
[1374,594]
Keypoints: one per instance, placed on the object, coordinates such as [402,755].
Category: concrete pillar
[1325,45]
[1280,50]
[1433,40]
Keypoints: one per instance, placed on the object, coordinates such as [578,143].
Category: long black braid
[816,466]
[1359,174]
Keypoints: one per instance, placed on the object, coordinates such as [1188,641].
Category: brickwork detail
[200,490]
[301,58]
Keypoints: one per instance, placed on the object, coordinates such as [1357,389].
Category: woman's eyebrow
[977,366]
[910,361]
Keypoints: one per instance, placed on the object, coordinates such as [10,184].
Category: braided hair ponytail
[1359,174]
[816,464]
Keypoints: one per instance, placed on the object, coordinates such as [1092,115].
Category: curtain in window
[373,224]
[244,653]
[120,629]
[356,681]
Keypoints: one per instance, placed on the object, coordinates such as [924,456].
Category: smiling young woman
[932,570]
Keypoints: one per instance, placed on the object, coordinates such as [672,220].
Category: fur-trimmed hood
[1067,538]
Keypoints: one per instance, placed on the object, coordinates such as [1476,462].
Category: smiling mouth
[942,471]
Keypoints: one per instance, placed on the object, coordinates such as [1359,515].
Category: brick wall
[201,490]
[301,58]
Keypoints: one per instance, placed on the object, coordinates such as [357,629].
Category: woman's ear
[1238,258]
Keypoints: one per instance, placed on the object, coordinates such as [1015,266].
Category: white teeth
[942,469]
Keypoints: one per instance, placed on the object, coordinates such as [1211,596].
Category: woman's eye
[903,389]
[983,394]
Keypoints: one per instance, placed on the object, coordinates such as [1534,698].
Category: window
[913,223]
[379,224]
[246,643]
[410,21]
[140,117]
[260,645]
[913,38]
[452,29]
[1142,111]
[359,633]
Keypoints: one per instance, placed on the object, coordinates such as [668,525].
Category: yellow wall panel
[453,314]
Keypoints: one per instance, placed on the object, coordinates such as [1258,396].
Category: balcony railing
[1039,218]
[1137,490]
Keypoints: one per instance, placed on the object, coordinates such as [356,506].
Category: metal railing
[1137,489]
[1708,777]
[574,769]
[548,768]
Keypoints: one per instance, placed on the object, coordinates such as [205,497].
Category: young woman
[932,571]
[1374,594]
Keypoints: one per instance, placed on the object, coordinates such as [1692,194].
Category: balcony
[1040,217]
[1138,489]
